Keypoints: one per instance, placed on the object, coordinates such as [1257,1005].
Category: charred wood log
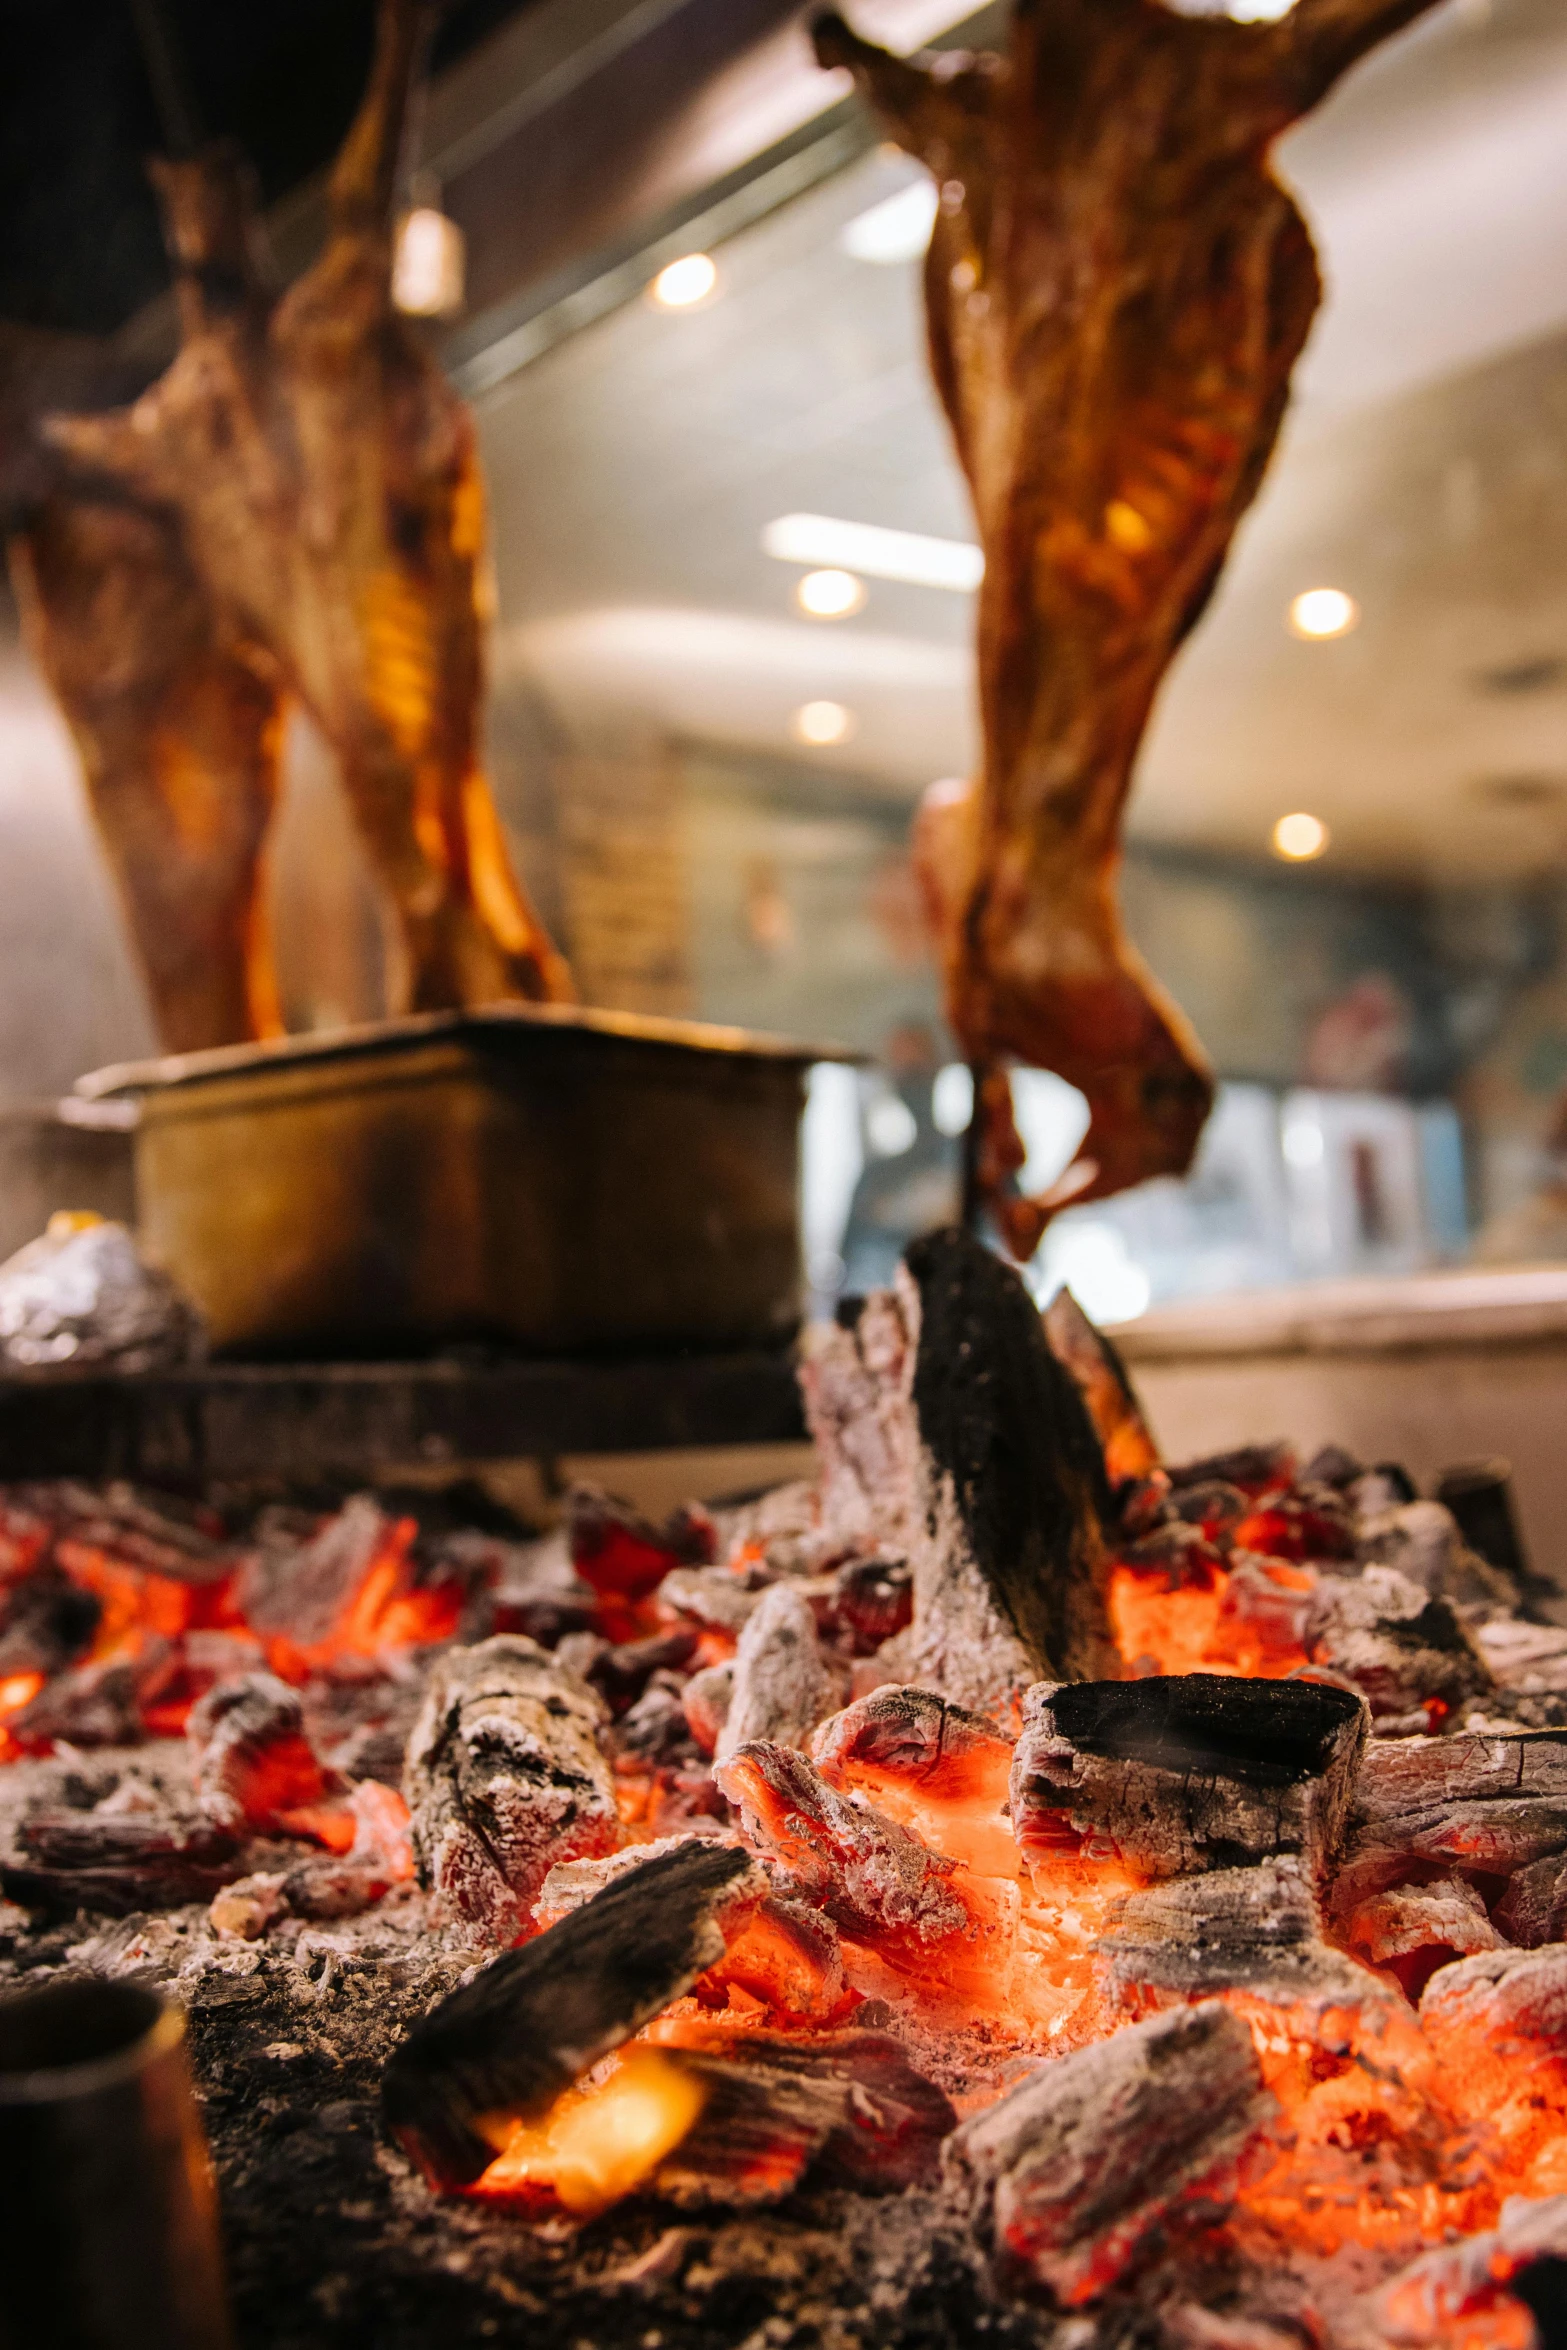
[950,1434]
[1196,1771]
[623,1557]
[1106,1389]
[709,1597]
[1487,1804]
[848,2106]
[1420,1540]
[118,1864]
[878,1883]
[300,1581]
[1498,2024]
[88,1705]
[871,1601]
[1253,1930]
[1406,1651]
[1424,2302]
[505,1777]
[705,1702]
[932,1766]
[783,1684]
[1070,2173]
[1411,1930]
[538,2017]
[256,1768]
[1253,1468]
[1533,1909]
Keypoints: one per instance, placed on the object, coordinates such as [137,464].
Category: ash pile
[1009,1886]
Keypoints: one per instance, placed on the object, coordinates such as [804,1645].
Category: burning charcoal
[1404,1650]
[934,1767]
[538,2017]
[783,1684]
[1498,2024]
[537,1591]
[653,1730]
[1420,1539]
[1253,1467]
[620,1675]
[1414,1929]
[242,1912]
[303,1587]
[505,1777]
[1426,2301]
[872,1599]
[625,1558]
[774,1533]
[950,1435]
[1071,2172]
[1487,1803]
[1195,1771]
[1212,1507]
[1302,1525]
[1528,1660]
[1253,1930]
[1129,1450]
[705,1702]
[879,1884]
[1385,1487]
[160,1533]
[710,1597]
[847,2105]
[255,1766]
[45,1621]
[1332,1465]
[572,1884]
[92,1705]
[118,1864]
[1533,1910]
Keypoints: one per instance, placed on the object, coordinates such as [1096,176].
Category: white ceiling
[633,469]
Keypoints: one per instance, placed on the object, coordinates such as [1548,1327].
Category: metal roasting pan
[558,1181]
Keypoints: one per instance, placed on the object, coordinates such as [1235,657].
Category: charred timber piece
[45,1621]
[1405,1651]
[708,1596]
[1130,1452]
[878,1883]
[89,1705]
[1411,1930]
[871,1601]
[1498,2024]
[299,1584]
[621,1674]
[1479,1495]
[1117,290]
[780,1951]
[705,1702]
[1194,1771]
[950,1434]
[1253,1930]
[1251,1468]
[255,1766]
[783,1684]
[1070,2172]
[320,481]
[623,1557]
[505,1776]
[1422,1542]
[1533,1910]
[1425,2301]
[846,2105]
[118,1864]
[1487,1803]
[916,1738]
[538,2017]
[134,1526]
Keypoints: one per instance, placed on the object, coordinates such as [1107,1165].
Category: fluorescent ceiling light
[896,229]
[882,554]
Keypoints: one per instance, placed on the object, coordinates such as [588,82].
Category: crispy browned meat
[1117,290]
[305,467]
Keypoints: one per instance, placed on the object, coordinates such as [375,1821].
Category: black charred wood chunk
[1185,1772]
[1256,1930]
[540,2016]
[1253,1467]
[118,1864]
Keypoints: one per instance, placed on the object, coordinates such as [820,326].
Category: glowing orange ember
[599,2141]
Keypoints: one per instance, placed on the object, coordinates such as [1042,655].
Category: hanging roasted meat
[292,512]
[1117,290]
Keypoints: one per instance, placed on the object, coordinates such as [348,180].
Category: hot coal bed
[1009,1889]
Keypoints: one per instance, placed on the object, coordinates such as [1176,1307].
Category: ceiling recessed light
[867,547]
[823,723]
[1299,836]
[830,595]
[896,229]
[428,263]
[684,283]
[1323,612]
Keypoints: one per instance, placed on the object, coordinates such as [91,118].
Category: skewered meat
[292,512]
[1117,290]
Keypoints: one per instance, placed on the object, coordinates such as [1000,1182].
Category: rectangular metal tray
[563,1182]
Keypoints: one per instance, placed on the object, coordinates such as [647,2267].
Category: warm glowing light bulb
[821,723]
[1299,836]
[428,265]
[1323,612]
[830,595]
[684,283]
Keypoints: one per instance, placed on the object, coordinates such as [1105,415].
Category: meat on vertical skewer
[1117,290]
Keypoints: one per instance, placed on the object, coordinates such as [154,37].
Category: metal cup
[108,2213]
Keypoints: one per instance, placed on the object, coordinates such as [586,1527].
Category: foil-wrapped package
[82,1296]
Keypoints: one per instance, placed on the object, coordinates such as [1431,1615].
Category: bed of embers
[1008,1887]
